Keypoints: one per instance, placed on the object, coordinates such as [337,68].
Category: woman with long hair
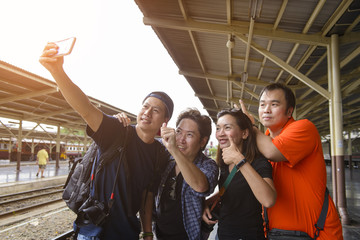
[240,215]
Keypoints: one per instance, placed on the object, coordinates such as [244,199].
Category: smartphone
[65,46]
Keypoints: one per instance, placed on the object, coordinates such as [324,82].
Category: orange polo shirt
[301,181]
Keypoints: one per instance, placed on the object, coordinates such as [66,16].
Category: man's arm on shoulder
[267,148]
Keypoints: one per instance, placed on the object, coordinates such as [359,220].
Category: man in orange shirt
[299,171]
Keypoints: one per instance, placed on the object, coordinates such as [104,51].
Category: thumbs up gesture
[168,136]
[231,154]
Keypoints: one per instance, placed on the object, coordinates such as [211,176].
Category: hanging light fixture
[231,42]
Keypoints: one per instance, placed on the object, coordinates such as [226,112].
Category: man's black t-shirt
[169,223]
[142,160]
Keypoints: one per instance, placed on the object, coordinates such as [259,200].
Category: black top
[134,178]
[240,214]
[169,224]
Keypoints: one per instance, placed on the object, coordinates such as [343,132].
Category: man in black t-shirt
[157,108]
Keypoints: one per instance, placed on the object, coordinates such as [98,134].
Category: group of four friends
[166,181]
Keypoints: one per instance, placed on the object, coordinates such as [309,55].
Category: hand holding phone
[65,46]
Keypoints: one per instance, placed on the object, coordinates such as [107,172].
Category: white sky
[116,58]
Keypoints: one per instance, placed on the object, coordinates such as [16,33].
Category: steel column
[338,129]
[331,127]
[19,147]
[58,147]
[349,150]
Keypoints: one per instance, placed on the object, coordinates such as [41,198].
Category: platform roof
[273,41]
[29,97]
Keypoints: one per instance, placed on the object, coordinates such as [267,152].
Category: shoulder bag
[280,234]
[215,206]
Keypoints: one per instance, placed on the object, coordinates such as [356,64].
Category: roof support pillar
[337,132]
[331,128]
[32,157]
[57,151]
[85,141]
[349,150]
[19,147]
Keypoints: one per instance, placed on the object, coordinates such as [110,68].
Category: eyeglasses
[172,191]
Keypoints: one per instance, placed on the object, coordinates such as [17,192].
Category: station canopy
[29,97]
[230,49]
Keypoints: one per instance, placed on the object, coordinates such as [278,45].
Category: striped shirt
[191,201]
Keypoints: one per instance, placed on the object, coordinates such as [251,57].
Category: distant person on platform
[42,159]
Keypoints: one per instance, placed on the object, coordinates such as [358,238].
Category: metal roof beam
[351,87]
[54,113]
[24,115]
[238,27]
[195,45]
[234,100]
[349,38]
[350,57]
[309,23]
[222,78]
[343,7]
[27,95]
[25,74]
[288,68]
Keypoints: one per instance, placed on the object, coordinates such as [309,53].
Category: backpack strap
[107,156]
[122,154]
[319,225]
[266,219]
[224,187]
[321,221]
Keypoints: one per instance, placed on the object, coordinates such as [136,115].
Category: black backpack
[77,185]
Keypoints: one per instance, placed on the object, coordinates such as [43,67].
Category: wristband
[146,234]
[239,164]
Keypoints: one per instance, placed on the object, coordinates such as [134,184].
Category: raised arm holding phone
[71,92]
[145,157]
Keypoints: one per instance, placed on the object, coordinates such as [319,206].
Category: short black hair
[168,102]
[203,122]
[289,95]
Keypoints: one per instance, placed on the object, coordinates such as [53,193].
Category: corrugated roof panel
[211,52]
[180,47]
[296,15]
[201,10]
[210,40]
[269,11]
[160,8]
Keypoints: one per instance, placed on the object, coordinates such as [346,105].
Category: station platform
[28,170]
[10,179]
[17,181]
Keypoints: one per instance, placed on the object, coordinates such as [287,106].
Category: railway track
[64,236]
[15,197]
[28,208]
[34,191]
[22,205]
